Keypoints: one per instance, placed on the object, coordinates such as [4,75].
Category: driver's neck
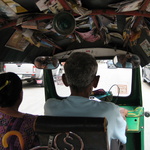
[84,93]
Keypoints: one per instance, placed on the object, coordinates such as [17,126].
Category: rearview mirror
[126,61]
[46,62]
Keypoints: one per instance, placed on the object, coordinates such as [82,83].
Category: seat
[72,133]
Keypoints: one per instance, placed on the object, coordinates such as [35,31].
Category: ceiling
[33,28]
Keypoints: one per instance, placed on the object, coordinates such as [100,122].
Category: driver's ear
[95,81]
[64,80]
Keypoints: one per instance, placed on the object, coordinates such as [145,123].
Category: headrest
[49,124]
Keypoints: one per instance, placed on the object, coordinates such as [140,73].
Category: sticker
[123,89]
[42,5]
[146,47]
[55,7]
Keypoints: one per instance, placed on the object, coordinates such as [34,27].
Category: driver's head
[80,70]
[40,62]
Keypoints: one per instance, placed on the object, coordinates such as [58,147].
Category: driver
[80,75]
[46,62]
[123,61]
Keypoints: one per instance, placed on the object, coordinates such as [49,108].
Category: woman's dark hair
[10,88]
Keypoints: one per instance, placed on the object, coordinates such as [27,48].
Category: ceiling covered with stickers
[34,28]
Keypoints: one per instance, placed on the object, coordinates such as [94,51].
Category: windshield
[115,80]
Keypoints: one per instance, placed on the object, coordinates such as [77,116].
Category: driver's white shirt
[83,107]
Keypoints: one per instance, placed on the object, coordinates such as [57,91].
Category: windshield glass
[115,80]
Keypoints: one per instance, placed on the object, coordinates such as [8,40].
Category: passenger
[10,118]
[80,75]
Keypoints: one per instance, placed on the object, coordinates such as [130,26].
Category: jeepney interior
[105,29]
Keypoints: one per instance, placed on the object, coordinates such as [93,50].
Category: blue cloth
[50,66]
[83,107]
[128,65]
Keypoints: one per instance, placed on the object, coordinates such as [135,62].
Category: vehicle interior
[105,29]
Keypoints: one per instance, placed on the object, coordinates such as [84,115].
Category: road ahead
[33,99]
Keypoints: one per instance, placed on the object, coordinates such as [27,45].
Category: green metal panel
[133,124]
[135,131]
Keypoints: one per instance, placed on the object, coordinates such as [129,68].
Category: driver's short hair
[80,69]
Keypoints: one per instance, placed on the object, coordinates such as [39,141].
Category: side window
[116,80]
[61,89]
